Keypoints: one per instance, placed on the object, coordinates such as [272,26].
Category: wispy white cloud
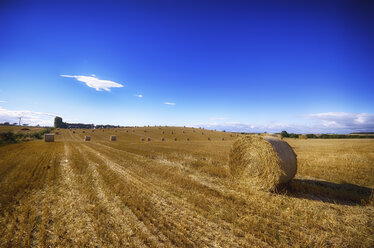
[170,103]
[28,117]
[139,95]
[93,82]
[1,101]
[331,122]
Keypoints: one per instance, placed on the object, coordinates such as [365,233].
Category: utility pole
[19,120]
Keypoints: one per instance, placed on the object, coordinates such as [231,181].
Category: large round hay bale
[262,162]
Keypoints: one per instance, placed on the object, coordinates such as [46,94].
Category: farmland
[179,193]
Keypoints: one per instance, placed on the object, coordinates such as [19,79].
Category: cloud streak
[93,82]
[139,95]
[28,117]
[170,103]
[330,122]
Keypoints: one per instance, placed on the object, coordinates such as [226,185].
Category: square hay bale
[49,137]
[87,138]
[113,138]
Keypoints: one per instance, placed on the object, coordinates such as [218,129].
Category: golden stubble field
[179,193]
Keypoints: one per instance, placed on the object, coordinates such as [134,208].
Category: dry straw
[262,162]
[49,137]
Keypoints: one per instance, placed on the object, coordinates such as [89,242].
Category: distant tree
[15,124]
[6,123]
[284,134]
[58,122]
[293,135]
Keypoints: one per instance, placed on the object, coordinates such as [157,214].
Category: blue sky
[304,66]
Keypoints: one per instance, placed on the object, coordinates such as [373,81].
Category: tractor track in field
[168,205]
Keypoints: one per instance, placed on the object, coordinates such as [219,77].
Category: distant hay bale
[188,139]
[87,138]
[193,130]
[133,131]
[202,133]
[49,137]
[57,133]
[93,130]
[149,139]
[208,138]
[83,131]
[163,132]
[175,139]
[162,139]
[262,162]
[303,136]
[223,138]
[172,132]
[145,131]
[73,131]
[142,139]
[113,138]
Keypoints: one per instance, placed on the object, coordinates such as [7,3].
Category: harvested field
[180,194]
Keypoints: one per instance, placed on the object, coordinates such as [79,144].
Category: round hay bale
[223,138]
[113,138]
[142,139]
[175,139]
[262,162]
[162,139]
[208,138]
[83,131]
[188,139]
[87,138]
[149,139]
[49,137]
